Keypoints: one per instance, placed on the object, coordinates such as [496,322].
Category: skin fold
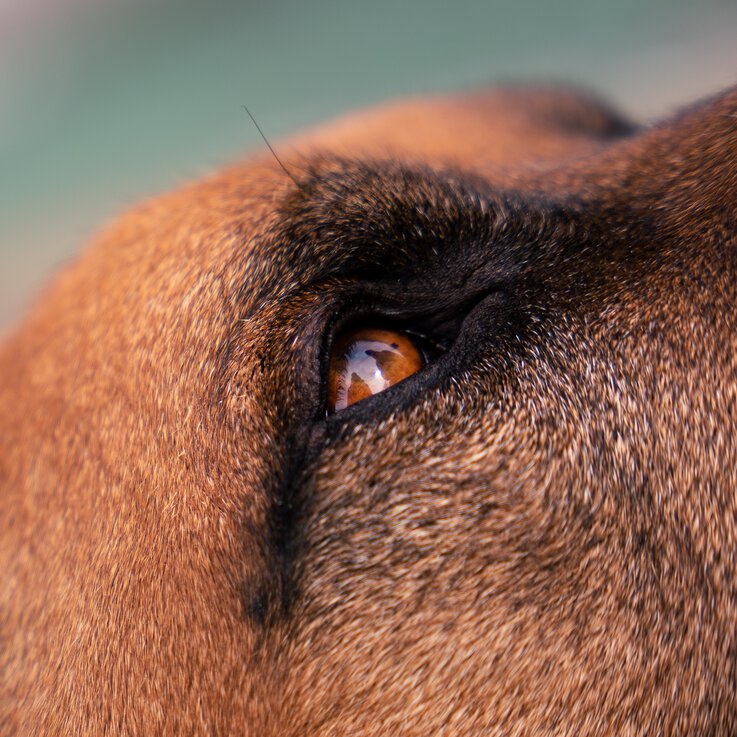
[532,535]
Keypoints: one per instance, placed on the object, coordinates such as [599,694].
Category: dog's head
[214,523]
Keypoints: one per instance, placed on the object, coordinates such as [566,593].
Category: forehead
[360,190]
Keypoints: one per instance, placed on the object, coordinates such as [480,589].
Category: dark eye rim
[417,320]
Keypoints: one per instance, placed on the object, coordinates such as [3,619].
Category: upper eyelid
[357,221]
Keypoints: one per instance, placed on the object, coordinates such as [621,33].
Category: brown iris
[367,361]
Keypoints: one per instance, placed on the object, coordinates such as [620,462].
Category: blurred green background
[103,102]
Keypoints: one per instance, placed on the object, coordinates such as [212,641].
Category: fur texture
[535,535]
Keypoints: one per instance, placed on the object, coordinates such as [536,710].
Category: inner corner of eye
[367,360]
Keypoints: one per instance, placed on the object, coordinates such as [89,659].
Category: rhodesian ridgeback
[427,430]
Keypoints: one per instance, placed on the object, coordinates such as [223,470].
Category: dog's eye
[366,361]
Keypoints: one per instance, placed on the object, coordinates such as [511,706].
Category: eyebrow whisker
[271,148]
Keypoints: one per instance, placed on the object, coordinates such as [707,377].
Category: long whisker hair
[270,147]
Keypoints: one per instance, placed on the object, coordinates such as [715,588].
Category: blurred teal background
[103,102]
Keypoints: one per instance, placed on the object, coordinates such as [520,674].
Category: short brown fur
[534,536]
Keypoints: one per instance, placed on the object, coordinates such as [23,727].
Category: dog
[427,428]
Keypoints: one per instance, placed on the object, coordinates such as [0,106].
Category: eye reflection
[366,361]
